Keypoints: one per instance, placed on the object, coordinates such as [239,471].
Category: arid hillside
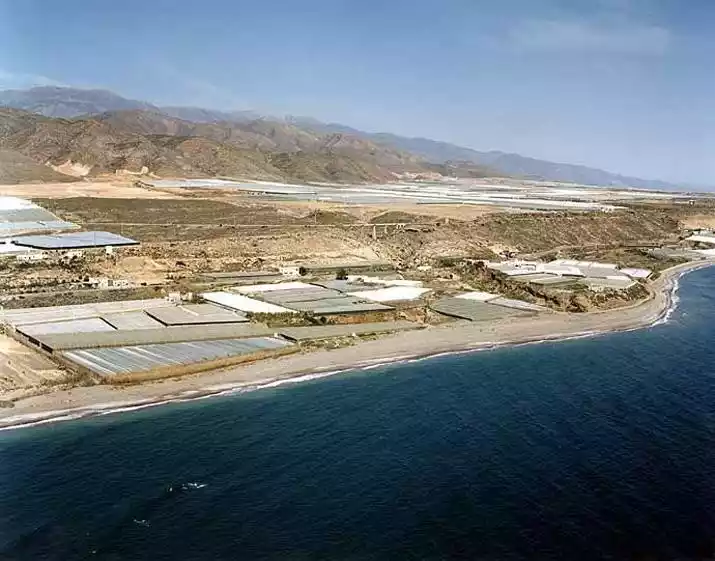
[153,143]
[16,167]
[288,133]
[312,156]
[277,232]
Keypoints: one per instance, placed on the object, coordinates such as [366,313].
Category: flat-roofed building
[18,216]
[195,314]
[636,273]
[74,240]
[392,293]
[474,310]
[244,303]
[180,356]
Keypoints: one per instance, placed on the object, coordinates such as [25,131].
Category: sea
[586,449]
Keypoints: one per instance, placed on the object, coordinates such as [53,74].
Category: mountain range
[134,140]
[168,139]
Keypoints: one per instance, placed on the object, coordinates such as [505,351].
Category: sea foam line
[35,419]
[673,301]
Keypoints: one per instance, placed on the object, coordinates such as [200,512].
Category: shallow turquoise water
[596,448]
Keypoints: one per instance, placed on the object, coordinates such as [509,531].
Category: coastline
[403,347]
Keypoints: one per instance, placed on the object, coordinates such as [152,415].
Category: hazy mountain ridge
[511,164]
[263,135]
[16,167]
[201,115]
[573,173]
[136,140]
[251,130]
[54,101]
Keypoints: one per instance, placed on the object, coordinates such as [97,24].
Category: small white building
[73,254]
[478,296]
[34,257]
[516,267]
[9,250]
[391,293]
[562,270]
[104,283]
[174,297]
[291,271]
[636,273]
[702,238]
[386,282]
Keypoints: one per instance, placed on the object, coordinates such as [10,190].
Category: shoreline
[433,342]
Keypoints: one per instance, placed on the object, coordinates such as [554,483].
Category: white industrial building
[572,268]
[702,238]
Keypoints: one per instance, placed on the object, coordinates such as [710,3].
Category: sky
[624,85]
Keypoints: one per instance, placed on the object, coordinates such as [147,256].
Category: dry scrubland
[152,220]
[185,234]
[21,367]
[107,189]
[85,400]
[236,232]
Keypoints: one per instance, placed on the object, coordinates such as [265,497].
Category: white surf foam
[30,420]
[673,301]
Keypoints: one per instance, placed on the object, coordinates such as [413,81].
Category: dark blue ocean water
[597,448]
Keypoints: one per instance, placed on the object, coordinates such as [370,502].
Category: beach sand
[450,338]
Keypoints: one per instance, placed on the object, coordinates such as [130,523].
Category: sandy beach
[451,338]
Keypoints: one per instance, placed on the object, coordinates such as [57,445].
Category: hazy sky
[626,85]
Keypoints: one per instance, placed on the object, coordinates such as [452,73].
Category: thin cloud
[15,80]
[191,89]
[581,36]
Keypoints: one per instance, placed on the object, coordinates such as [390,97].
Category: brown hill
[73,102]
[329,166]
[258,134]
[18,168]
[133,140]
[463,169]
[266,136]
[90,142]
[202,157]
